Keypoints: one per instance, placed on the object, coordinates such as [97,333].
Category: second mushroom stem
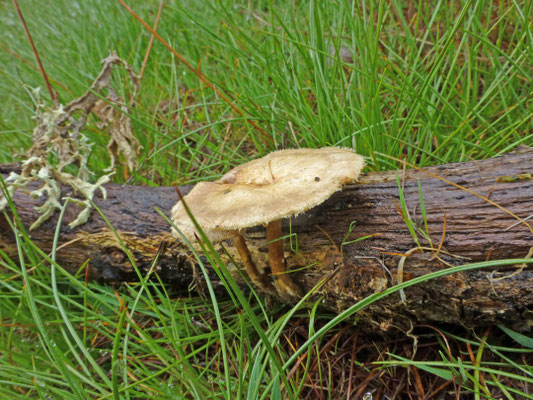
[260,279]
[276,259]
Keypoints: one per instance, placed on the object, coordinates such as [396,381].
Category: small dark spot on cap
[227,191]
[317,178]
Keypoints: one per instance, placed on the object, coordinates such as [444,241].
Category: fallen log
[361,238]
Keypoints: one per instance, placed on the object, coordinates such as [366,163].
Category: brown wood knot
[116,255]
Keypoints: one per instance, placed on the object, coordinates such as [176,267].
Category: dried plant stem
[150,44]
[41,67]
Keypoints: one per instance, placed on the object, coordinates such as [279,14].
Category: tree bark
[459,227]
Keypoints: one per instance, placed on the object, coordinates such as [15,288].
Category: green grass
[430,84]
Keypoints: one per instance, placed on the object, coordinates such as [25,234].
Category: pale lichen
[59,145]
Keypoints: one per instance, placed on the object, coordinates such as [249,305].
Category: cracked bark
[475,231]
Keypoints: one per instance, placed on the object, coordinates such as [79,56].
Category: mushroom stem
[257,277]
[275,257]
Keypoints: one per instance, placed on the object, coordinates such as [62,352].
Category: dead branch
[359,237]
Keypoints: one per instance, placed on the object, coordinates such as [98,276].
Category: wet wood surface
[358,238]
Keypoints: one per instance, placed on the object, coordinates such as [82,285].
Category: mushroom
[284,183]
[186,226]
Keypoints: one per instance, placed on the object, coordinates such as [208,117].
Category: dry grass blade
[35,52]
[151,43]
[199,74]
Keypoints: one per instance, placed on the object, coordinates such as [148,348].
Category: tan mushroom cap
[279,185]
[186,226]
